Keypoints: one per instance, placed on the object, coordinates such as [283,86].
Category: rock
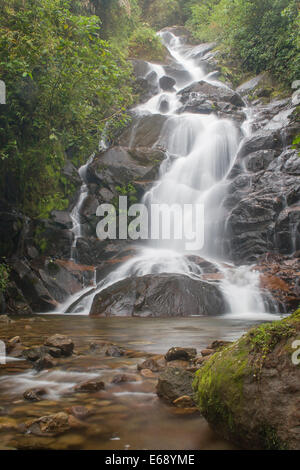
[118,167]
[149,364]
[34,394]
[250,85]
[159,295]
[262,140]
[146,129]
[179,363]
[79,412]
[114,351]
[61,342]
[44,362]
[123,378]
[207,352]
[32,287]
[34,353]
[249,392]
[181,353]
[213,93]
[15,301]
[148,373]
[167,83]
[173,383]
[62,218]
[52,425]
[89,386]
[184,402]
[218,344]
[295,85]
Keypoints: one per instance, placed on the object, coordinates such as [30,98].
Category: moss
[219,384]
[265,337]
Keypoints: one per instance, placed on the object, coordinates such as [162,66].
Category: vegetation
[67,78]
[260,35]
[145,44]
[4,277]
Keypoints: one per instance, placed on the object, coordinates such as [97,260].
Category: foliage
[162,13]
[145,44]
[4,276]
[261,35]
[63,83]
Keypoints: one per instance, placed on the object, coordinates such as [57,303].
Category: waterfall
[201,150]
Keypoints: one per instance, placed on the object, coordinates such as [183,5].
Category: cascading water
[200,150]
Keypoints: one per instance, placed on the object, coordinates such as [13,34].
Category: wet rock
[207,352]
[262,140]
[184,402]
[150,364]
[213,93]
[44,362]
[34,353]
[118,167]
[79,412]
[114,351]
[52,425]
[144,132]
[179,363]
[159,295]
[250,85]
[180,353]
[167,83]
[148,373]
[61,342]
[218,344]
[89,386]
[123,378]
[173,383]
[15,302]
[32,287]
[34,394]
[249,392]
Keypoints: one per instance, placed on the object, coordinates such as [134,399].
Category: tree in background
[262,35]
[63,82]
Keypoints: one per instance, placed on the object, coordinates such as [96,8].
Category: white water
[200,150]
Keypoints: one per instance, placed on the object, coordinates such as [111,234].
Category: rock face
[174,383]
[159,295]
[250,391]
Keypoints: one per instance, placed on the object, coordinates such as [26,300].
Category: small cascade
[201,150]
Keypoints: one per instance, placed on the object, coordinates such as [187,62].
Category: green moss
[219,384]
[265,337]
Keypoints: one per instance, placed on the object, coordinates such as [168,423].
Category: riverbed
[123,415]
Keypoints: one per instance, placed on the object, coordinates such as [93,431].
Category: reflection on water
[123,416]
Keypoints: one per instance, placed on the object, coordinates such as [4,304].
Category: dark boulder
[213,93]
[167,83]
[176,353]
[159,295]
[174,383]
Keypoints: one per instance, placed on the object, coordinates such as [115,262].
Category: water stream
[200,152]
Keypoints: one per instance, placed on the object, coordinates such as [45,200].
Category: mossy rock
[250,390]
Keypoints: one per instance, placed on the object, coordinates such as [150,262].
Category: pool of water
[123,416]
